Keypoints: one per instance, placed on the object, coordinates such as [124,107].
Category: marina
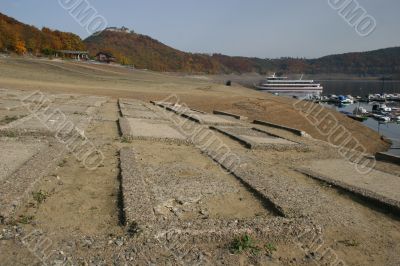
[385,123]
[374,103]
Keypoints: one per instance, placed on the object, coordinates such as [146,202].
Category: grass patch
[25,219]
[8,119]
[349,243]
[39,196]
[10,134]
[62,163]
[134,229]
[78,113]
[125,140]
[270,248]
[244,244]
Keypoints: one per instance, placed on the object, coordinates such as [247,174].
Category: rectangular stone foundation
[35,161]
[208,119]
[14,154]
[254,139]
[145,129]
[38,126]
[240,117]
[187,186]
[132,113]
[372,184]
[137,205]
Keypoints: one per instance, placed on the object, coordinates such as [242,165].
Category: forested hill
[21,38]
[383,61]
[145,52]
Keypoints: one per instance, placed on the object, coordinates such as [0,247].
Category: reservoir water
[359,87]
[389,130]
[363,88]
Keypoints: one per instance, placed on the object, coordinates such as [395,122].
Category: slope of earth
[197,91]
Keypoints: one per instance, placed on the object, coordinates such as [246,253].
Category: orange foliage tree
[20,47]
[20,38]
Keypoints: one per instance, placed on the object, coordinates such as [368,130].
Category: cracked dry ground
[195,209]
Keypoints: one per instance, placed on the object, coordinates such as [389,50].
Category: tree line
[21,39]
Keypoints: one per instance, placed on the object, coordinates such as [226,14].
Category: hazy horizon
[264,29]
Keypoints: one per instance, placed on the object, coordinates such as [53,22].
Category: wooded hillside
[147,53]
[21,38]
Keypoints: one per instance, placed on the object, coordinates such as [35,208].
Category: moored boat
[275,84]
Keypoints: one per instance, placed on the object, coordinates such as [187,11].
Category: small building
[105,57]
[116,29]
[78,55]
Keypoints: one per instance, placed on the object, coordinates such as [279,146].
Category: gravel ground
[291,219]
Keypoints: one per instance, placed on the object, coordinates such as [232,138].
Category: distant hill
[145,52]
[383,61]
[21,38]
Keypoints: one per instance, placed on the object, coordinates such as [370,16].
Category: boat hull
[290,89]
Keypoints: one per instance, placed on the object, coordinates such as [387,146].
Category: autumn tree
[20,47]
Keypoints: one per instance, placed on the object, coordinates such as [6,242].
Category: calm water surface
[363,88]
[389,130]
[359,87]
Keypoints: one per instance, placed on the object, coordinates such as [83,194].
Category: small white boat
[381,118]
[360,111]
[345,100]
[381,108]
[396,118]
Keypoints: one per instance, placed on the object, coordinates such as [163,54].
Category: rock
[7,234]
[87,242]
[119,241]
[204,212]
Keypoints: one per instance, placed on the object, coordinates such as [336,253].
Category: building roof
[105,53]
[72,52]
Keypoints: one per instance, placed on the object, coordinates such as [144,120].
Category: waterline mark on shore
[65,131]
[355,16]
[85,15]
[328,126]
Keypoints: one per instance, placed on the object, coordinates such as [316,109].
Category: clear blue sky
[262,28]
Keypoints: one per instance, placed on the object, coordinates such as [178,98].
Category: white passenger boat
[276,84]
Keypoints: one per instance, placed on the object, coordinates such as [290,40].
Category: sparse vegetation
[349,243]
[244,244]
[62,163]
[270,248]
[134,229]
[10,134]
[8,119]
[23,219]
[125,140]
[39,196]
